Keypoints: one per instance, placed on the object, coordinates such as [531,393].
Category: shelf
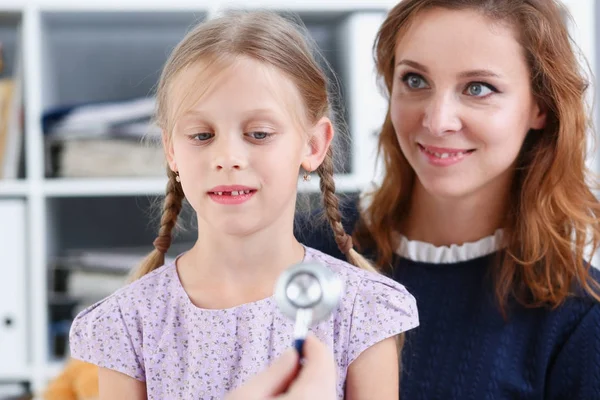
[124,6]
[92,187]
[310,5]
[15,375]
[80,49]
[13,188]
[67,187]
[141,40]
[11,6]
[180,5]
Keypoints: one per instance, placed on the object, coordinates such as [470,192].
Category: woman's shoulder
[576,359]
[582,304]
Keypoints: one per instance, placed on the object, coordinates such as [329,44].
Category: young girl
[243,107]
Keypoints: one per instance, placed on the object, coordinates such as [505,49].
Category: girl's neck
[247,257]
[223,270]
[443,221]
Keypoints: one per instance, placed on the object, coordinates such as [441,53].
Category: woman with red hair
[484,212]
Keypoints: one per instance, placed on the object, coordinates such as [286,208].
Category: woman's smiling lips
[443,156]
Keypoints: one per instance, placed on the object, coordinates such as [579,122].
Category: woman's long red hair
[552,222]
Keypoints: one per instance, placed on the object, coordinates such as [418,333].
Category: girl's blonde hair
[553,213]
[275,41]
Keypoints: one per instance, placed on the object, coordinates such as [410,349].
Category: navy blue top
[464,349]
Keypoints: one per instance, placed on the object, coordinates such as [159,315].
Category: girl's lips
[230,189]
[232,197]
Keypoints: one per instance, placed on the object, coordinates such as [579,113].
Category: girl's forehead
[237,82]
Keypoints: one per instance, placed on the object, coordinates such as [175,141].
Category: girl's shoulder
[149,287]
[109,333]
[372,307]
[349,273]
[361,287]
[130,303]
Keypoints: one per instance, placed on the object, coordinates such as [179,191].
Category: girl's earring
[177,178]
[306,176]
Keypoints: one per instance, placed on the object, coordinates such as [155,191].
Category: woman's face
[461,102]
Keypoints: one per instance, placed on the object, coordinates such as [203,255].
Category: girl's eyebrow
[261,112]
[476,73]
[248,116]
[192,114]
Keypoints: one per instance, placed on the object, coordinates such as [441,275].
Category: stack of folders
[105,139]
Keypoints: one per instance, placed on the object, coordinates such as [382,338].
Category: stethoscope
[307,293]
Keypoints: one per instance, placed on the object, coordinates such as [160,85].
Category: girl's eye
[202,136]
[414,81]
[259,135]
[479,89]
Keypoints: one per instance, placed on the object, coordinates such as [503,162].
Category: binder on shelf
[6,93]
[11,116]
[14,124]
[13,318]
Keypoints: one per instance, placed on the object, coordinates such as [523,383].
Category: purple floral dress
[151,331]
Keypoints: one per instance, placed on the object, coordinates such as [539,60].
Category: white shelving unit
[112,50]
[58,67]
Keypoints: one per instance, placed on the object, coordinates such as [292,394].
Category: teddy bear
[77,381]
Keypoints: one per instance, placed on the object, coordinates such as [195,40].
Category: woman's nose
[441,115]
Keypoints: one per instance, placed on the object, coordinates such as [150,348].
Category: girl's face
[239,148]
[461,102]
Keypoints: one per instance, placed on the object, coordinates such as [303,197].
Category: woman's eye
[414,81]
[479,89]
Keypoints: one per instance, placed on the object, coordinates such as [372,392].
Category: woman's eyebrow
[413,64]
[476,73]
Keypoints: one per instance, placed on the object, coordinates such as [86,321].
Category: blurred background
[79,168]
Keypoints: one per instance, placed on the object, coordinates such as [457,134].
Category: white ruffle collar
[428,253]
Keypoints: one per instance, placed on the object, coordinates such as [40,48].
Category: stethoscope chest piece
[307,293]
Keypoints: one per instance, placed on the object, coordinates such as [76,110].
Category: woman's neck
[444,221]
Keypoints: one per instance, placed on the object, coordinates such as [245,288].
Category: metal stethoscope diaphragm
[307,293]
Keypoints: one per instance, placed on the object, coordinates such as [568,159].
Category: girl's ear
[169,153]
[321,136]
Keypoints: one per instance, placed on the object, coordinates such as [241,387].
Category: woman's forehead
[459,40]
